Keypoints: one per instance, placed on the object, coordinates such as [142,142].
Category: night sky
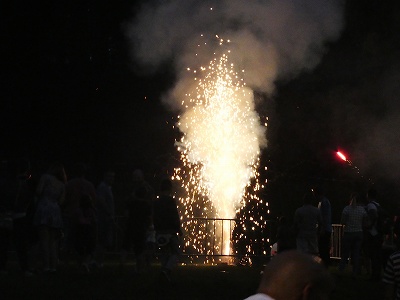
[71,92]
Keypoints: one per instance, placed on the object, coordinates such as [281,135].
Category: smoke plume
[272,40]
[222,51]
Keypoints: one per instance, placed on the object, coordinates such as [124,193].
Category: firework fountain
[220,148]
[222,134]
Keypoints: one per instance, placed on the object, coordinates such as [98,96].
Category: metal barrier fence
[336,241]
[210,239]
[211,249]
[210,244]
[214,233]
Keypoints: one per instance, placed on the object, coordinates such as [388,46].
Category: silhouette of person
[51,192]
[23,230]
[324,238]
[75,188]
[286,239]
[353,219]
[139,182]
[374,238]
[391,275]
[307,223]
[138,221]
[85,231]
[105,208]
[293,275]
[167,226]
[6,206]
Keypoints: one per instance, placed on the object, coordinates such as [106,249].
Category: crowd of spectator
[63,217]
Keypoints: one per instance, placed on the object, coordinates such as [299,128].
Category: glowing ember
[220,150]
[341,155]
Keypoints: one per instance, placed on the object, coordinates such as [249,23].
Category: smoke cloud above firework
[272,39]
[222,51]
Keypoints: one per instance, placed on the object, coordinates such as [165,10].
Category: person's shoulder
[73,180]
[102,185]
[88,184]
[325,200]
[72,183]
[361,209]
[310,207]
[46,176]
[395,256]
[259,296]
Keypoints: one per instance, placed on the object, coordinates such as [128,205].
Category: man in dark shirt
[167,225]
[24,233]
[307,222]
[139,219]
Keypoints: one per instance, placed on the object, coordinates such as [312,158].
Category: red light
[341,155]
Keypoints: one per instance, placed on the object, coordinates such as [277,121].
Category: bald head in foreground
[293,275]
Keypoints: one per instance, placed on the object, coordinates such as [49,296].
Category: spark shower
[220,148]
[222,134]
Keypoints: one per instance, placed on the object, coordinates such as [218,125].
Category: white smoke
[273,39]
[270,40]
[222,133]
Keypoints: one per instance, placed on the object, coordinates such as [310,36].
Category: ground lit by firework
[220,148]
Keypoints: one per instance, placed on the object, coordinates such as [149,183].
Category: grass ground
[188,282]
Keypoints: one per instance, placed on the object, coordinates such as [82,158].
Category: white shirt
[259,296]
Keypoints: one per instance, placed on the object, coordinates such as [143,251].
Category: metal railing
[205,238]
[336,241]
[210,242]
[214,234]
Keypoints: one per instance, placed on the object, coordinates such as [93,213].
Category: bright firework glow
[220,146]
[341,155]
[222,137]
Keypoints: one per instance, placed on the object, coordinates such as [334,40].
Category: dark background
[70,93]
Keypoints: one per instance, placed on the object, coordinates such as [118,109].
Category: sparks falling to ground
[220,150]
[222,137]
